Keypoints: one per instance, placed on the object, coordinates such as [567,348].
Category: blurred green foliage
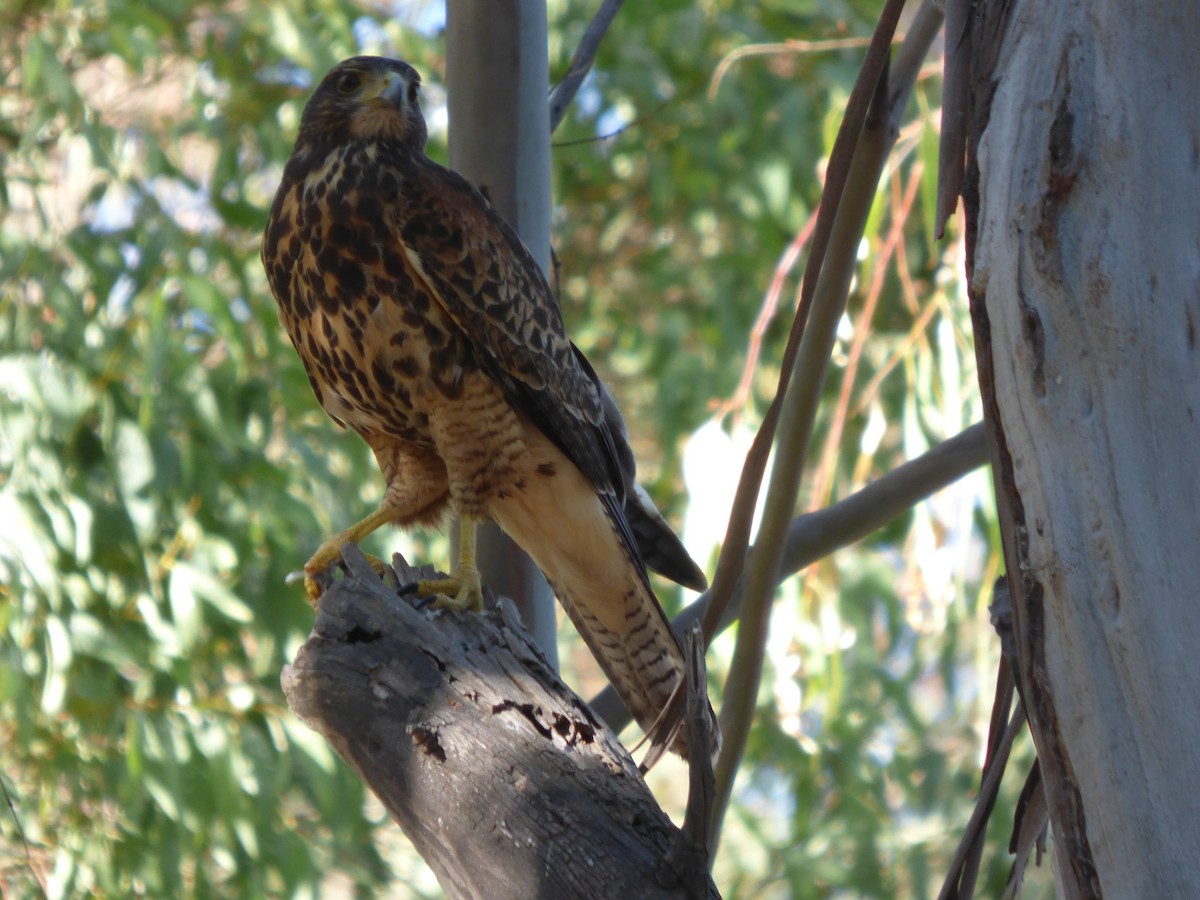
[163,464]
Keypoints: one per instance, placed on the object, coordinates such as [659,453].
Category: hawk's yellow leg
[463,589]
[331,549]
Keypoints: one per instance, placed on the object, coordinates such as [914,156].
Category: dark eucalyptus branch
[953,888]
[952,142]
[959,883]
[581,63]
[863,134]
[504,781]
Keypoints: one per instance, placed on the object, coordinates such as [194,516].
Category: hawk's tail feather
[643,668]
[661,550]
[581,540]
[644,660]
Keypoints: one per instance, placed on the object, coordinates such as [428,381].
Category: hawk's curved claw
[330,552]
[313,588]
[315,580]
[463,591]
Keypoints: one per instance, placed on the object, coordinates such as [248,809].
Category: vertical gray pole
[497,75]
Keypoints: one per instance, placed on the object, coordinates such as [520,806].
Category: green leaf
[54,689]
[135,476]
[185,609]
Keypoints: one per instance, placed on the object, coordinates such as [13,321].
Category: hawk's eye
[349,83]
[413,90]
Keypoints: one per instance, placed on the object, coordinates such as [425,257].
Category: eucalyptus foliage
[163,465]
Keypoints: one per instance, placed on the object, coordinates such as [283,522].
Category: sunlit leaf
[54,690]
[135,475]
[185,609]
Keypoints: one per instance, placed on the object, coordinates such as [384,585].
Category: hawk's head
[368,98]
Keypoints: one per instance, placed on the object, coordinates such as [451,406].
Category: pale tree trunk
[497,76]
[1083,208]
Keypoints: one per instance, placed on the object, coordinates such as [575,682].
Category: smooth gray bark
[1084,229]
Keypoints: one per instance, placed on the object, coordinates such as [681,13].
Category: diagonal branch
[986,800]
[581,63]
[815,535]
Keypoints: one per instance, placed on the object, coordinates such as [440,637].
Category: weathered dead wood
[502,778]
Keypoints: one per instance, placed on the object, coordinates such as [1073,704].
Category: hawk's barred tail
[580,539]
[644,663]
[660,549]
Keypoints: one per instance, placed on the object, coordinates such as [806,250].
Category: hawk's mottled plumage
[426,326]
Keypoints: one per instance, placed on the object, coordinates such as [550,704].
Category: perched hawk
[426,326]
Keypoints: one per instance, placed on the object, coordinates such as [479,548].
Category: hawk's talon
[316,577]
[422,600]
[461,592]
[314,589]
[424,603]
[330,553]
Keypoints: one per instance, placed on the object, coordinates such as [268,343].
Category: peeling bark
[1083,223]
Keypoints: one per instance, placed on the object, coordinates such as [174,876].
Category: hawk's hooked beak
[391,88]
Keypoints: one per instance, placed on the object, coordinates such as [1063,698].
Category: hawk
[426,326]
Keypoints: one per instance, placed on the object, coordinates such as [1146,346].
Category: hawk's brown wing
[489,283]
[486,280]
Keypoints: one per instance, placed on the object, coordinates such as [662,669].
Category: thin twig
[766,313]
[985,801]
[1029,829]
[581,62]
[687,860]
[33,866]
[771,49]
[738,709]
[915,334]
[615,133]
[824,474]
